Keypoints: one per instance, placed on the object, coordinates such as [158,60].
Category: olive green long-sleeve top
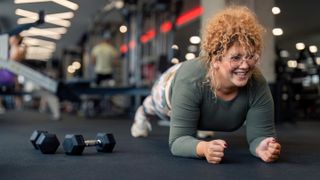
[194,107]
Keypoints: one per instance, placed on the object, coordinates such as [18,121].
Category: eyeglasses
[237,60]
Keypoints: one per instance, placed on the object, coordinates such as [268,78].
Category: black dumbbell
[74,144]
[47,143]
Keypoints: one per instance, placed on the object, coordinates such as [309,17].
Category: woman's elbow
[171,147]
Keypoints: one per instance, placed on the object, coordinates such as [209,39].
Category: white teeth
[240,73]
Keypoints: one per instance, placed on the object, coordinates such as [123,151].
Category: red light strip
[148,35]
[123,48]
[165,27]
[189,15]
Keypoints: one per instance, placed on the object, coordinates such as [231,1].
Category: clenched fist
[269,150]
[213,151]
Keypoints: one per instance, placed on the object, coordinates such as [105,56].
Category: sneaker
[141,129]
[141,125]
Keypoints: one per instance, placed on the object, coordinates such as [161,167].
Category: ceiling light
[118,4]
[41,32]
[25,20]
[29,1]
[276,10]
[25,13]
[60,30]
[123,29]
[190,56]
[39,50]
[34,16]
[61,22]
[76,65]
[31,34]
[318,60]
[39,42]
[300,46]
[113,4]
[174,60]
[292,63]
[277,31]
[56,21]
[71,69]
[67,4]
[174,46]
[38,56]
[313,49]
[195,40]
[64,15]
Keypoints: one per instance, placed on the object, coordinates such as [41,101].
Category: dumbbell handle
[92,142]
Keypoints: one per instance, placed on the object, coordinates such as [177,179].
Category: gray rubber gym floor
[147,158]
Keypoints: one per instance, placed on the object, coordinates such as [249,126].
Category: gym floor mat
[146,158]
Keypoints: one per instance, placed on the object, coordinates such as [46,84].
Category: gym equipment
[57,88]
[34,137]
[75,144]
[96,99]
[46,142]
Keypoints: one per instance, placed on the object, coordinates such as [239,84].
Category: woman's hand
[213,151]
[269,150]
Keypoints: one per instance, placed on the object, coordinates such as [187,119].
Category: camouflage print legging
[158,103]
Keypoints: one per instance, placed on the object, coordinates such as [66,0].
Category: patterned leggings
[158,103]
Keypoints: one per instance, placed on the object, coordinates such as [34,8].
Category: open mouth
[241,74]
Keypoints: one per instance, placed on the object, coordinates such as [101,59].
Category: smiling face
[235,67]
[231,45]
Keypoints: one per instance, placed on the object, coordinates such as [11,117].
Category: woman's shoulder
[257,84]
[259,90]
[257,77]
[192,70]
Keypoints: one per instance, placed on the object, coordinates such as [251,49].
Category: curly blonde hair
[231,25]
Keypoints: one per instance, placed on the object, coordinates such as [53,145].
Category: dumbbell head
[73,144]
[47,143]
[107,142]
[34,137]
